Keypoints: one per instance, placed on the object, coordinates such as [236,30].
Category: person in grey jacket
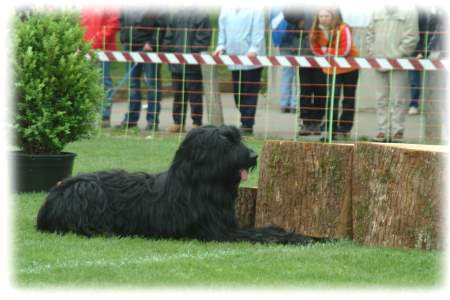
[188,31]
[143,30]
[392,33]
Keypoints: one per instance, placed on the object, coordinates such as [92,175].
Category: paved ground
[270,122]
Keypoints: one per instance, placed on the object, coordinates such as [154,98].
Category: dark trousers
[190,89]
[346,82]
[313,92]
[246,84]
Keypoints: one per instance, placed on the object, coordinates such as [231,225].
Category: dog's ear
[231,133]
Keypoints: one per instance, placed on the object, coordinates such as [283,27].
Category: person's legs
[194,87]
[349,81]
[286,97]
[380,83]
[415,85]
[135,94]
[399,99]
[153,82]
[250,85]
[107,85]
[178,101]
[306,94]
[318,107]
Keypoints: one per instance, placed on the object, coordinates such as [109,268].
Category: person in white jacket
[392,33]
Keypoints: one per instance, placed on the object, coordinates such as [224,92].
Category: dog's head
[213,154]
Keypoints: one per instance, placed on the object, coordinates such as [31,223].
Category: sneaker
[380,138]
[413,111]
[315,129]
[285,110]
[398,137]
[324,139]
[293,110]
[305,130]
[176,128]
[124,125]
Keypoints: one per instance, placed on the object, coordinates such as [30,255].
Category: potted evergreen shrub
[57,96]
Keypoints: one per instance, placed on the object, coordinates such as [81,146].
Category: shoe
[315,129]
[125,125]
[176,128]
[293,110]
[342,132]
[152,127]
[380,138]
[398,137]
[305,130]
[413,111]
[285,110]
[246,131]
[106,123]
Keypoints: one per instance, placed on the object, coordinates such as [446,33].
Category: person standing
[101,27]
[241,32]
[143,30]
[331,37]
[188,31]
[392,33]
[313,85]
[286,40]
[426,25]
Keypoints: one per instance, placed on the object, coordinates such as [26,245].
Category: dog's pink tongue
[244,174]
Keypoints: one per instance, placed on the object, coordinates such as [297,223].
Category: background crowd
[325,96]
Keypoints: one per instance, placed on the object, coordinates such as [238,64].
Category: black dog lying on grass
[194,199]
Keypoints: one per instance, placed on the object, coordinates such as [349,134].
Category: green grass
[49,260]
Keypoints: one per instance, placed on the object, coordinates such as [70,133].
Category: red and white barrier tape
[282,61]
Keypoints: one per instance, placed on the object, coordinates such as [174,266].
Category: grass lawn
[49,260]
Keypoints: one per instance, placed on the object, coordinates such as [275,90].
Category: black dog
[194,199]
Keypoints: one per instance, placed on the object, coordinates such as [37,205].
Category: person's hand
[147,47]
[218,52]
[251,54]
[419,56]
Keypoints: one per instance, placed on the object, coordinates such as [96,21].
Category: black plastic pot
[36,173]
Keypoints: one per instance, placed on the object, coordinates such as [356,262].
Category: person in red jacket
[101,27]
[332,37]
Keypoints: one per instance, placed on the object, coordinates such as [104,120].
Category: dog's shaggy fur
[194,199]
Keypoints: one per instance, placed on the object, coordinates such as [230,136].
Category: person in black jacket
[188,31]
[143,30]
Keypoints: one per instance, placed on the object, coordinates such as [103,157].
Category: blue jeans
[287,97]
[151,74]
[415,84]
[107,85]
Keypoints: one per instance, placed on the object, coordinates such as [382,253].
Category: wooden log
[397,195]
[245,206]
[306,187]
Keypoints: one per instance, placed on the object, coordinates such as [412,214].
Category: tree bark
[245,207]
[306,187]
[397,195]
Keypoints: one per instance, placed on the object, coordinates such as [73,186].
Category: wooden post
[306,187]
[397,195]
[211,92]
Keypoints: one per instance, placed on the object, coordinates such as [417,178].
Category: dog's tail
[274,235]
